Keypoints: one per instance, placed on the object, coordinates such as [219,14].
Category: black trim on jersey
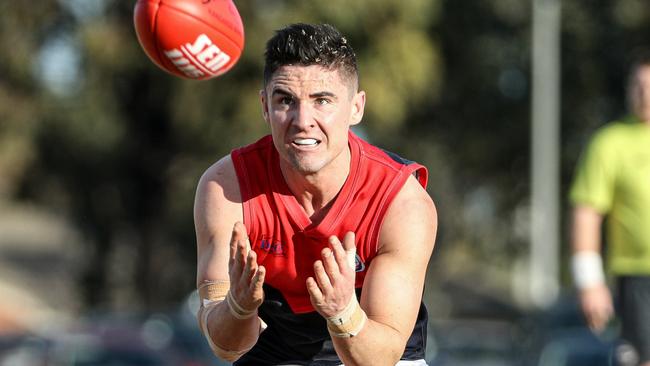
[398,158]
[402,161]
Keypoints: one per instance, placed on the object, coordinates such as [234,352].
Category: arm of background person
[393,286]
[595,299]
[216,210]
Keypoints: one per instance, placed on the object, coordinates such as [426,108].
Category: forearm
[586,229]
[375,344]
[586,262]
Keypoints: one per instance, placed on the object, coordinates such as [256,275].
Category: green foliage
[121,146]
[120,149]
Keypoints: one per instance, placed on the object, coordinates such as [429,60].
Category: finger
[238,233]
[597,320]
[315,294]
[598,323]
[350,248]
[322,279]
[242,238]
[258,279]
[347,257]
[604,315]
[234,268]
[592,320]
[233,242]
[236,265]
[249,268]
[330,265]
[348,242]
[241,248]
[340,255]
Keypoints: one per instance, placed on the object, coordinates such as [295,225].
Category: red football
[192,39]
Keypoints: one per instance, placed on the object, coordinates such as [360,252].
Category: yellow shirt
[613,177]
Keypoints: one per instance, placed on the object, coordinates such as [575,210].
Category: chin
[306,167]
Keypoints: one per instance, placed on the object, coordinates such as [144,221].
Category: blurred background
[101,151]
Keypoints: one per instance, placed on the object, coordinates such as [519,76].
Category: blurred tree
[91,129]
[118,145]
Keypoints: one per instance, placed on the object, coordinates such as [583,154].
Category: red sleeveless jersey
[287,243]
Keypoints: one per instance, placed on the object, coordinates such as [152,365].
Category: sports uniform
[287,244]
[613,177]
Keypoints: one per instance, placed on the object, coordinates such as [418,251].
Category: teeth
[305,141]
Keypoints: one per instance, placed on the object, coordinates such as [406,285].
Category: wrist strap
[213,291]
[237,310]
[349,322]
[587,268]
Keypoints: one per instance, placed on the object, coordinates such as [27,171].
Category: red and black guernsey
[287,243]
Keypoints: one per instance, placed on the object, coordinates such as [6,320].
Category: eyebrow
[321,94]
[281,92]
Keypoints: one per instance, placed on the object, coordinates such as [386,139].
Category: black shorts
[634,312]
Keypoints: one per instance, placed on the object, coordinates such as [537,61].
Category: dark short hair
[310,44]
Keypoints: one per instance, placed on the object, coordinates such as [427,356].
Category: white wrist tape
[237,310]
[587,268]
[213,291]
[349,322]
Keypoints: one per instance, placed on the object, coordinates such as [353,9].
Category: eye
[286,100]
[322,101]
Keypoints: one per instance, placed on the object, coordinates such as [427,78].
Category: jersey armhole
[420,173]
[244,187]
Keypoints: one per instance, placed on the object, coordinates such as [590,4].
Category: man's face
[310,110]
[640,93]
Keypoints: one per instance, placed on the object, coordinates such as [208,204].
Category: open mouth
[305,142]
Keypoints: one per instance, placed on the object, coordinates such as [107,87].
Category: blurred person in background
[612,181]
[313,244]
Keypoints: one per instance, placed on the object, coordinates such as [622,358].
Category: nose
[303,116]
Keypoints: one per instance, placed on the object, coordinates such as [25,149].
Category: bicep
[393,287]
[217,207]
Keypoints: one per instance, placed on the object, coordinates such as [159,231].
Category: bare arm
[393,287]
[586,229]
[595,299]
[223,255]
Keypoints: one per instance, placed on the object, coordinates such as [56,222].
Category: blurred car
[562,338]
[113,340]
[23,350]
[474,342]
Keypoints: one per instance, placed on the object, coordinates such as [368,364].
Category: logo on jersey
[274,248]
[199,58]
[359,266]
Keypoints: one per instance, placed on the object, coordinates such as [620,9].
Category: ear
[265,106]
[358,106]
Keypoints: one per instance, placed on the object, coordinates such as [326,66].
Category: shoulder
[220,179]
[218,196]
[411,219]
[614,133]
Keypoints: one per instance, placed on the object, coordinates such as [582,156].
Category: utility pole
[545,177]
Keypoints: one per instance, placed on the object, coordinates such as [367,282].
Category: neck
[316,191]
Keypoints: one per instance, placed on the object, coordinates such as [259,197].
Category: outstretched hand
[246,277]
[332,287]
